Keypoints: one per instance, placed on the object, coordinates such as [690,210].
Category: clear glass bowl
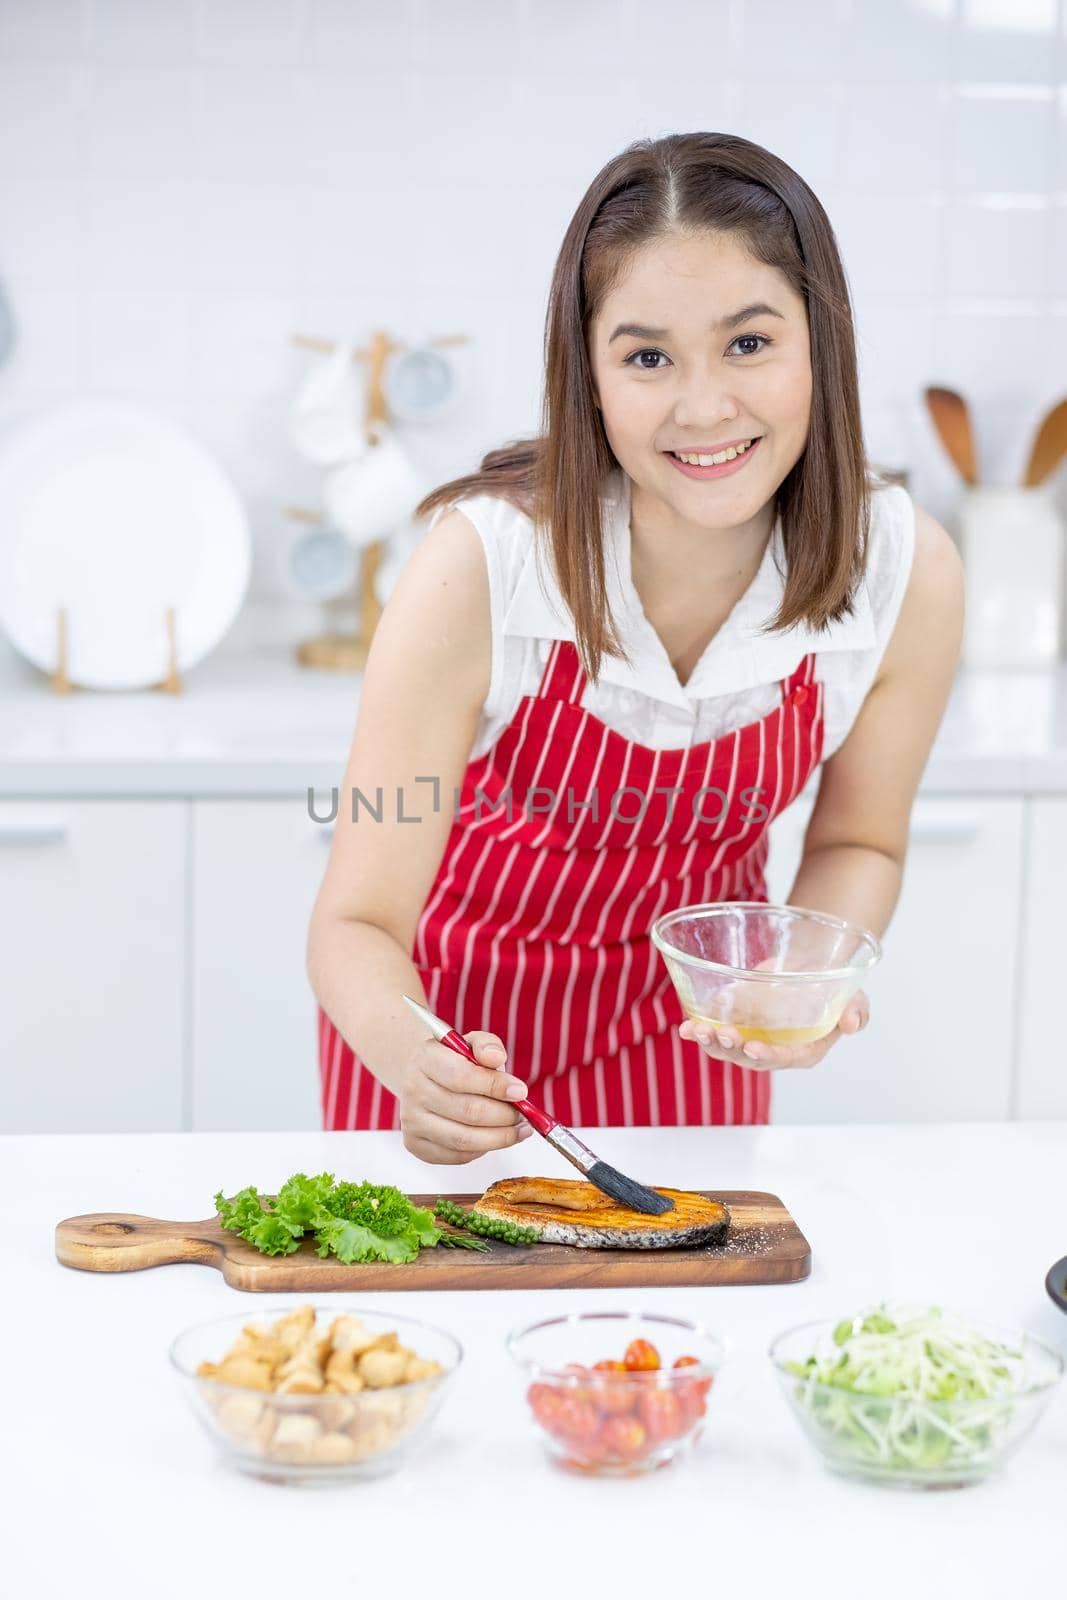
[339,1438]
[910,1443]
[778,974]
[615,1423]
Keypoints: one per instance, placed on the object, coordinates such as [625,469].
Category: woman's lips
[715,472]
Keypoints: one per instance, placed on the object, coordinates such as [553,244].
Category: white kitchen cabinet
[153,968]
[93,975]
[1042,1087]
[940,1044]
[256,869]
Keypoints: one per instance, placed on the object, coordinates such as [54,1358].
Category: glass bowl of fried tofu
[316,1393]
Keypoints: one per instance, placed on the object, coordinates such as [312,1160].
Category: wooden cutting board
[763,1245]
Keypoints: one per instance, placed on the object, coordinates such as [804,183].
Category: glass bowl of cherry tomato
[616,1393]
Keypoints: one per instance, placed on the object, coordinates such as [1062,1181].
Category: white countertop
[969,1216]
[252,721]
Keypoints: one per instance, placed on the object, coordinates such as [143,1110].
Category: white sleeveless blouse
[736,679]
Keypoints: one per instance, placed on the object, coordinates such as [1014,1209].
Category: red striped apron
[537,925]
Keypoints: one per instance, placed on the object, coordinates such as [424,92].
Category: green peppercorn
[490,1227]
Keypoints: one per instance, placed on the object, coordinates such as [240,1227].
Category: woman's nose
[705,404]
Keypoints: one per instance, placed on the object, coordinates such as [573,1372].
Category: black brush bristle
[628,1193]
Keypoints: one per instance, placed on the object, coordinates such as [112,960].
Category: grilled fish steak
[567,1211]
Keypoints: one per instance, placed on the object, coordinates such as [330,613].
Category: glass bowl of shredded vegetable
[914,1395]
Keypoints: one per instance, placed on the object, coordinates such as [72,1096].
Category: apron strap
[796,688]
[564,677]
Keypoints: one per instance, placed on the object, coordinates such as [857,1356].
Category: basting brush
[614,1183]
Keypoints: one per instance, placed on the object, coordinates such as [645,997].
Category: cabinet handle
[32,832]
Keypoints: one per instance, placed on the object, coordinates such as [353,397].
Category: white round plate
[115,515]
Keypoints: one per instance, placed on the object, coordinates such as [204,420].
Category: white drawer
[257,866]
[93,973]
[1042,1084]
[941,1042]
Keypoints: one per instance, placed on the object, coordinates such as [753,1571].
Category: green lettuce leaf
[353,1241]
[354,1221]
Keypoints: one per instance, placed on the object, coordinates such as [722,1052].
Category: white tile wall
[183,183]
[1002,138]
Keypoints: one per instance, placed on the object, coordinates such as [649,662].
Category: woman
[625,658]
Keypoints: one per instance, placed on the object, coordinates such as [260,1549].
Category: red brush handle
[533,1114]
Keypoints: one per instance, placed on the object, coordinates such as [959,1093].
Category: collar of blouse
[739,657]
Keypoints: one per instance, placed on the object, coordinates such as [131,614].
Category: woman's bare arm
[425,683]
[856,842]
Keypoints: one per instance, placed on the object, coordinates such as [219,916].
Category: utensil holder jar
[1012,542]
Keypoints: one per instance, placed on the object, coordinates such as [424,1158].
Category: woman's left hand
[725,1044]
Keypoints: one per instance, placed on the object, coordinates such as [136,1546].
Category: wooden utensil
[953,423]
[763,1245]
[1049,447]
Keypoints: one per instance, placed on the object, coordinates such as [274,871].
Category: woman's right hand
[452,1110]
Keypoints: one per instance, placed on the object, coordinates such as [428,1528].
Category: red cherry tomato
[691,1392]
[577,1421]
[641,1356]
[577,1387]
[663,1414]
[544,1402]
[612,1390]
[588,1452]
[623,1436]
[702,1385]
[693,1405]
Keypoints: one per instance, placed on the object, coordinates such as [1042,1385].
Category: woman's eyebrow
[636,330]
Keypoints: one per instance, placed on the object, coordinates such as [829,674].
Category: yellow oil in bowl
[767,1035]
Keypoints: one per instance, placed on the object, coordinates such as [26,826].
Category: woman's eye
[636,360]
[755,341]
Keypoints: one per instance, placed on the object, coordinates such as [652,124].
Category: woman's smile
[714,464]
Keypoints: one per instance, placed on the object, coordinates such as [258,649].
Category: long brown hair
[684,183]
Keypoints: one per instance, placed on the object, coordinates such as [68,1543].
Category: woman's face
[700,346]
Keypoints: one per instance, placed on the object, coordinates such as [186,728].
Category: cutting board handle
[109,1241]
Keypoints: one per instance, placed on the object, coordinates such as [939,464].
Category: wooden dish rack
[59,680]
[344,652]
